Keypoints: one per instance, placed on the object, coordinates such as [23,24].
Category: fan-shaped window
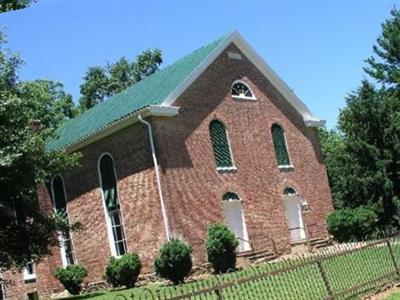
[280,146]
[60,205]
[242,91]
[288,191]
[110,194]
[220,143]
[229,196]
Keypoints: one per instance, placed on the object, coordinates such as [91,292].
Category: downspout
[156,168]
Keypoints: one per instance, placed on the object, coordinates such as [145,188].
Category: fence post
[324,278]
[396,267]
[218,292]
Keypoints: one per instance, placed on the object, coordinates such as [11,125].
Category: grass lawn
[395,296]
[305,282]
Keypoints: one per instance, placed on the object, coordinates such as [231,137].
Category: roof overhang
[309,119]
[148,111]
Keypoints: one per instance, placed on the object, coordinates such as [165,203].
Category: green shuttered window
[219,140]
[59,196]
[109,183]
[281,151]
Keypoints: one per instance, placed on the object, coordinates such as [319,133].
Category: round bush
[221,244]
[174,261]
[348,224]
[71,277]
[123,271]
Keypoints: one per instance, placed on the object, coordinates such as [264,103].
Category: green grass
[395,296]
[305,282]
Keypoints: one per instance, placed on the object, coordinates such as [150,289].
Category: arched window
[280,146]
[288,191]
[229,196]
[220,144]
[115,226]
[60,202]
[241,90]
[60,206]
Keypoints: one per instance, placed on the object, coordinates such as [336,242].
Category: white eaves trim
[152,110]
[309,119]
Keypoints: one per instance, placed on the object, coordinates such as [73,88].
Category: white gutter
[152,110]
[156,168]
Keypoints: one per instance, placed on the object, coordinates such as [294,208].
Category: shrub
[348,224]
[71,277]
[123,271]
[174,261]
[221,246]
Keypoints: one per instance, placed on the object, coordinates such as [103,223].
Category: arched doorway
[294,214]
[234,219]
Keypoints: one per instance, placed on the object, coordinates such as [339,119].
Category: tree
[99,83]
[363,155]
[29,114]
[9,5]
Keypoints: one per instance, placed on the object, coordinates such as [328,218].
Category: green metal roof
[152,90]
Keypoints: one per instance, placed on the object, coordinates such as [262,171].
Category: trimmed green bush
[123,271]
[352,224]
[221,244]
[174,261]
[71,277]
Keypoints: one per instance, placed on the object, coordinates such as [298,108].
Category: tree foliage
[174,261]
[123,271]
[363,155]
[348,224]
[9,5]
[99,83]
[29,113]
[71,277]
[221,244]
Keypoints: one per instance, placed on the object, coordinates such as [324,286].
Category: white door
[235,221]
[294,217]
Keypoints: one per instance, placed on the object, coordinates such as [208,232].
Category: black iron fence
[337,272]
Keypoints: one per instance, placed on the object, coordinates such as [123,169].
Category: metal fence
[337,272]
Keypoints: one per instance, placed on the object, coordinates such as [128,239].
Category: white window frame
[110,234]
[253,97]
[113,226]
[63,251]
[2,289]
[29,276]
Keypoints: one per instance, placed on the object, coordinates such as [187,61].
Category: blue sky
[317,47]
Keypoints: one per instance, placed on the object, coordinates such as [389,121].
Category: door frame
[301,227]
[246,242]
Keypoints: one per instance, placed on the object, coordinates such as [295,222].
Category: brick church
[215,137]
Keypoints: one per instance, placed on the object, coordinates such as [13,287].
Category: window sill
[244,98]
[286,168]
[29,278]
[226,169]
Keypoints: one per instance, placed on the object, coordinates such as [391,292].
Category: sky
[317,47]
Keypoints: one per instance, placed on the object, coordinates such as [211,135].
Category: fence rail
[337,272]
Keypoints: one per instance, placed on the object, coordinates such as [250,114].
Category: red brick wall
[45,283]
[192,187]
